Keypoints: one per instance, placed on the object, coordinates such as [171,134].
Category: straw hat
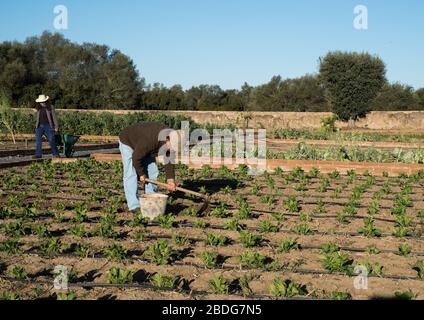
[42,98]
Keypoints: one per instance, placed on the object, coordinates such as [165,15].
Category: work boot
[36,157]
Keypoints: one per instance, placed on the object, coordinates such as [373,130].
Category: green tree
[352,81]
[420,96]
[396,97]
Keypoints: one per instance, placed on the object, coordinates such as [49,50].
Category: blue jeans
[39,132]
[131,178]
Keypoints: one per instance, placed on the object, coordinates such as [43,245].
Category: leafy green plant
[18,272]
[329,248]
[162,281]
[213,239]
[373,208]
[245,283]
[180,240]
[419,267]
[115,252]
[341,296]
[219,285]
[287,288]
[166,221]
[372,268]
[80,215]
[404,249]
[15,228]
[233,225]
[406,295]
[11,246]
[158,253]
[249,239]
[320,208]
[51,246]
[252,260]
[66,296]
[82,250]
[302,229]
[8,296]
[266,226]
[369,229]
[244,212]
[288,245]
[41,230]
[220,211]
[305,217]
[120,276]
[337,262]
[291,204]
[139,221]
[78,230]
[209,259]
[372,250]
[268,199]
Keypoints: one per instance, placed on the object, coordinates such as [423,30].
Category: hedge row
[103,124]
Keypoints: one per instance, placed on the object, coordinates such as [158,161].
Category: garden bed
[287,235]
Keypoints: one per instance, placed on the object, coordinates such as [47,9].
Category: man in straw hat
[46,124]
[140,144]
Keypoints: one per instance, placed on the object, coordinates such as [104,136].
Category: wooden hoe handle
[164,185]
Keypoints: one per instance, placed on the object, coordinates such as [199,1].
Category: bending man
[140,144]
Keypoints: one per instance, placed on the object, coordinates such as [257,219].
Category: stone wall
[400,121]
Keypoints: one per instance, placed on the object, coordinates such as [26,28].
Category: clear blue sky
[228,42]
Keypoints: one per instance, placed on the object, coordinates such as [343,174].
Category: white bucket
[153,205]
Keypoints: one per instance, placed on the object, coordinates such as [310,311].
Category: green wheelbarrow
[65,144]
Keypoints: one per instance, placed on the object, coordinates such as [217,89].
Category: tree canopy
[93,76]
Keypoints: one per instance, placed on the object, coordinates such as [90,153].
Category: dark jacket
[54,124]
[143,138]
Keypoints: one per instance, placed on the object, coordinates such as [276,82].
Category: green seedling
[249,239]
[166,221]
[233,225]
[369,230]
[419,267]
[159,253]
[404,250]
[18,272]
[219,285]
[209,259]
[406,295]
[287,288]
[337,262]
[66,296]
[253,260]
[115,252]
[215,240]
[11,246]
[291,204]
[180,240]
[166,282]
[288,245]
[51,246]
[266,226]
[341,296]
[120,276]
[302,229]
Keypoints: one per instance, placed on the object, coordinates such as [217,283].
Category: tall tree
[352,81]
